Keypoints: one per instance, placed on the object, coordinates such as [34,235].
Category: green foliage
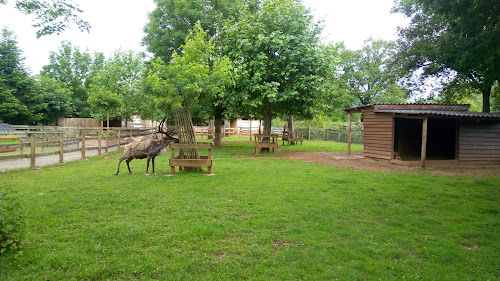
[118,83]
[369,76]
[452,34]
[495,98]
[461,92]
[171,21]
[280,64]
[51,17]
[74,68]
[104,103]
[195,75]
[12,221]
[18,105]
[337,94]
[56,99]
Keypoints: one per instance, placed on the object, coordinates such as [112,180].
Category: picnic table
[265,141]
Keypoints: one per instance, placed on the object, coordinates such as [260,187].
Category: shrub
[12,221]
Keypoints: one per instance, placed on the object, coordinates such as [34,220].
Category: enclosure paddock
[180,160]
[35,142]
[265,141]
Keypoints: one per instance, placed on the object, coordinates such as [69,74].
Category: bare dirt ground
[357,162]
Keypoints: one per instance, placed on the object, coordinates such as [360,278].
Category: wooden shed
[420,132]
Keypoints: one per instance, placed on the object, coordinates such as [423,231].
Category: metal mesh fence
[332,134]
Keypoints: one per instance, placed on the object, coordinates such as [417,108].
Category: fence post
[107,141]
[308,133]
[99,150]
[338,135]
[349,134]
[82,132]
[326,134]
[33,150]
[118,135]
[61,148]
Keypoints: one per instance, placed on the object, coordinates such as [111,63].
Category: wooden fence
[34,142]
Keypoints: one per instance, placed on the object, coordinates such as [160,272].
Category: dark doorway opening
[441,139]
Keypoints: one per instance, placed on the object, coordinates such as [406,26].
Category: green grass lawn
[257,218]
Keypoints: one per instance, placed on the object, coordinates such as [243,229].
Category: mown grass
[256,219]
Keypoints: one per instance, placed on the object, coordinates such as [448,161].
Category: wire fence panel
[339,135]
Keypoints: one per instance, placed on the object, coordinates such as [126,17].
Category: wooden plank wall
[479,143]
[377,135]
[79,122]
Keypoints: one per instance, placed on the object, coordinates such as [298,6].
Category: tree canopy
[279,60]
[52,17]
[171,20]
[194,75]
[463,36]
[75,68]
[115,89]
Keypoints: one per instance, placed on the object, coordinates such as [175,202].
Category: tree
[104,103]
[18,105]
[11,109]
[449,34]
[51,17]
[369,76]
[171,21]
[75,68]
[56,99]
[280,64]
[337,94]
[195,75]
[119,79]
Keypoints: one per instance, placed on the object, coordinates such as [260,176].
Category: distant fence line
[328,134]
[35,141]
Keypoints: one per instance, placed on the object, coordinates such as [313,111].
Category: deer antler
[160,127]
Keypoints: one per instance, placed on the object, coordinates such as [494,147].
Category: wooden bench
[292,137]
[259,142]
[180,161]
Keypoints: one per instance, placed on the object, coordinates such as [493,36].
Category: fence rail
[339,134]
[35,141]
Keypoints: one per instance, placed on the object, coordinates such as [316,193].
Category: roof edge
[410,106]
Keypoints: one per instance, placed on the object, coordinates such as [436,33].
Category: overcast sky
[119,24]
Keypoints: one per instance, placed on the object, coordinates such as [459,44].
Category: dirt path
[47,160]
[358,162]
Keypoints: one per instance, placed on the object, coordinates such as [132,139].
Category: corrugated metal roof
[443,106]
[464,114]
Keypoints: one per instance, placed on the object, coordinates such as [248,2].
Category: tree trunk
[290,127]
[218,128]
[486,99]
[211,127]
[268,117]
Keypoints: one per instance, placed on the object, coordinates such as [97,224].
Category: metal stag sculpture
[147,148]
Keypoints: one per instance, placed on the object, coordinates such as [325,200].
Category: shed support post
[349,134]
[424,142]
